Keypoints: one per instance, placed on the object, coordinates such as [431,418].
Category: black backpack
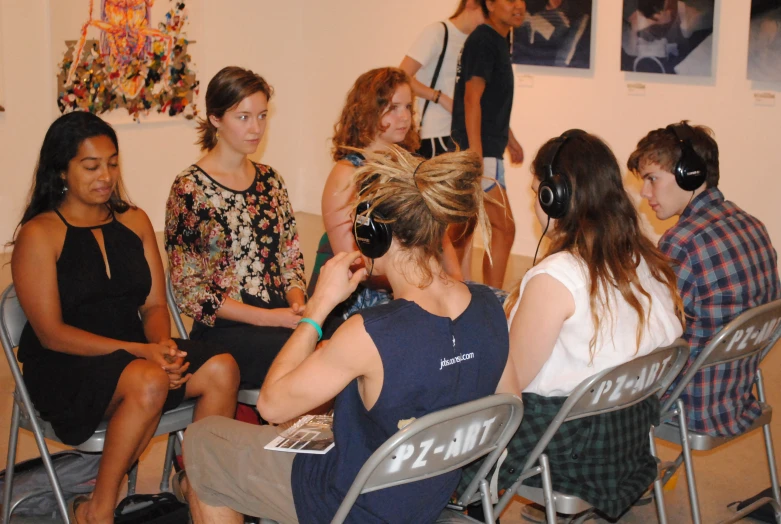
[75,470]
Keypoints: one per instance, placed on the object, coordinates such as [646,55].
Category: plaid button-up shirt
[725,265]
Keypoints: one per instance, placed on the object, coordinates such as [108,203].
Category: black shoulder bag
[162,508]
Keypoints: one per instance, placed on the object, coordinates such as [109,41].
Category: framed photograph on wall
[673,37]
[554,33]
[125,60]
[764,41]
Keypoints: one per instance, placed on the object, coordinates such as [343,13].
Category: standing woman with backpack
[431,64]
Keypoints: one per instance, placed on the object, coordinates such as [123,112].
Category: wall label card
[635,89]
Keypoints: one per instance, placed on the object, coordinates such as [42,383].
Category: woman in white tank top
[602,295]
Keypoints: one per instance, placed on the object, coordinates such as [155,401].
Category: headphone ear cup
[554,195]
[372,237]
[690,171]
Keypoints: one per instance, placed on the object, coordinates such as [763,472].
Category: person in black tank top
[98,344]
[437,344]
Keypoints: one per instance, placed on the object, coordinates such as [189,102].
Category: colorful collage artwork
[125,55]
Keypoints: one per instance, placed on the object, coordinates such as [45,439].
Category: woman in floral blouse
[231,238]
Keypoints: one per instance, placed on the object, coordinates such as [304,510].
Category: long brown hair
[60,146]
[420,198]
[368,100]
[602,228]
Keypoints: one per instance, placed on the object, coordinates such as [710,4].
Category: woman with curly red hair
[377,113]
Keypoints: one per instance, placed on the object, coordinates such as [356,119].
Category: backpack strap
[436,72]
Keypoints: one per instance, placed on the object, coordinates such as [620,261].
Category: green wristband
[314,325]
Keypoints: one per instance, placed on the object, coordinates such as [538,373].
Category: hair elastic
[415,180]
[307,320]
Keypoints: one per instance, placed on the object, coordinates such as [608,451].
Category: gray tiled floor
[736,471]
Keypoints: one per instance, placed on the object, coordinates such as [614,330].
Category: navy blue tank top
[422,374]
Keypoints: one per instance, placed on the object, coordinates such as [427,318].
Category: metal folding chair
[468,431]
[246,396]
[611,390]
[751,334]
[24,415]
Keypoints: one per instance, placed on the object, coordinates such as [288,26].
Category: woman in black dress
[97,344]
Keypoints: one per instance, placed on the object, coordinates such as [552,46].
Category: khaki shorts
[227,466]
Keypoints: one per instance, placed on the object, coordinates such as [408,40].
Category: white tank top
[570,363]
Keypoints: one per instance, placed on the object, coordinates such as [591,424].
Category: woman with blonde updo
[379,375]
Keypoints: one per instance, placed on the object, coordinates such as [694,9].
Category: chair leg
[488,509]
[771,457]
[670,471]
[168,464]
[13,438]
[132,478]
[47,463]
[547,490]
[658,487]
[688,463]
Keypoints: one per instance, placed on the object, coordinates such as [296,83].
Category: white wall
[311,52]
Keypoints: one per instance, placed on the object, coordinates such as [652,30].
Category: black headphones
[555,190]
[372,234]
[690,171]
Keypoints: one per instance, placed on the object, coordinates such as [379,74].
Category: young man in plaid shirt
[724,260]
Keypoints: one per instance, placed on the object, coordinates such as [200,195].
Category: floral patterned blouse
[231,244]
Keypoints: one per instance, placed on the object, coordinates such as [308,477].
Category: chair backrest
[753,332]
[618,388]
[12,321]
[174,308]
[438,443]
[12,318]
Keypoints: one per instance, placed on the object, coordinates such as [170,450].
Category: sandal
[176,486]
[73,505]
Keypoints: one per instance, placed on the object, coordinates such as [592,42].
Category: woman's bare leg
[461,238]
[133,413]
[216,384]
[502,236]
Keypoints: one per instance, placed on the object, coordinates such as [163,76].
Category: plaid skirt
[604,460]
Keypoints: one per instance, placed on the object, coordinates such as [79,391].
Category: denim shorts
[493,173]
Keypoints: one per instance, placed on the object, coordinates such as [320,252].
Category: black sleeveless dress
[72,392]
